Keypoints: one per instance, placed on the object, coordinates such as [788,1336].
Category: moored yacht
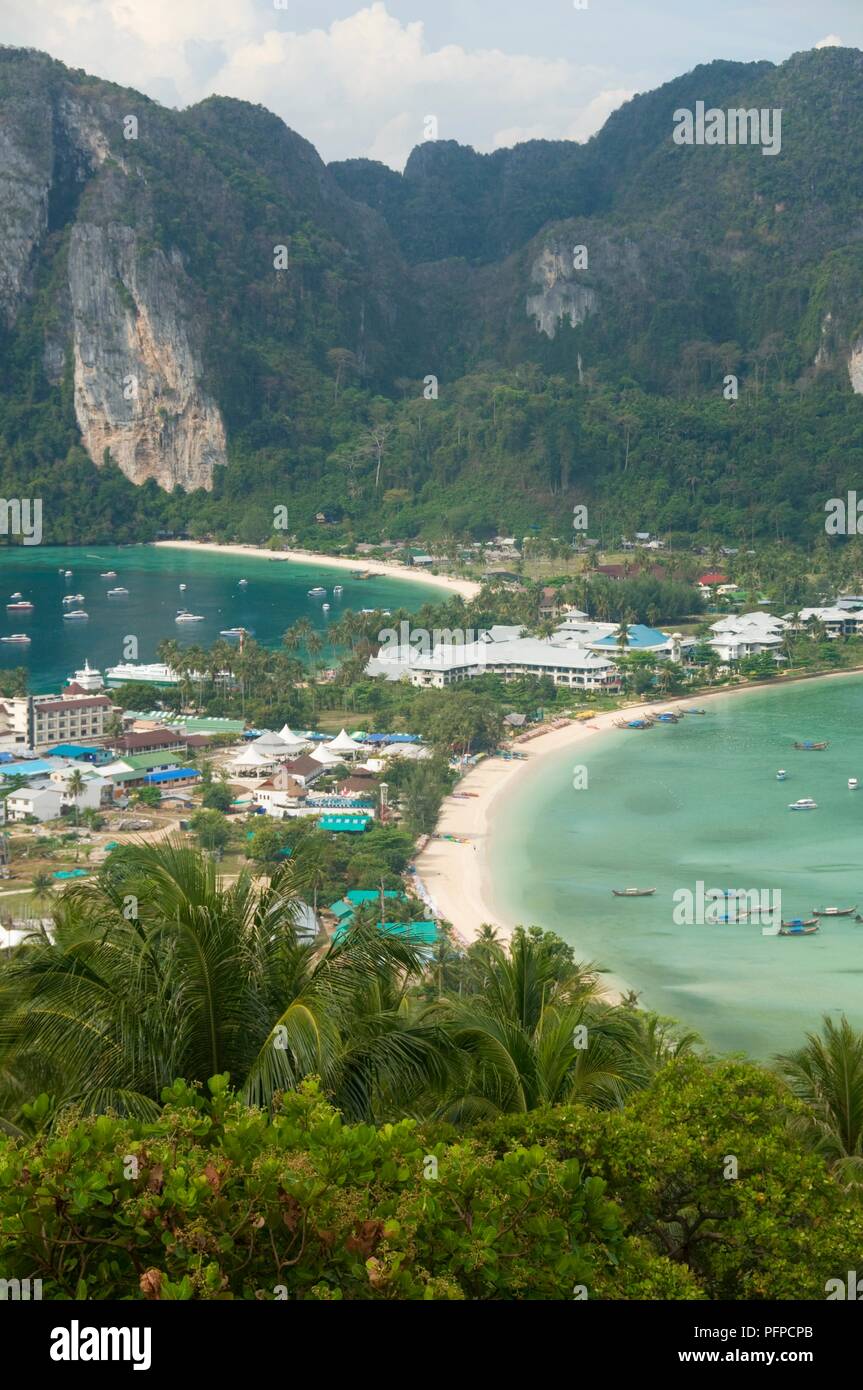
[804,804]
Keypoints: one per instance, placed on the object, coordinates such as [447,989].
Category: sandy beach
[466,588]
[456,876]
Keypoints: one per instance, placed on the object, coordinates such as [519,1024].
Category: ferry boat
[315,593]
[804,804]
[184,617]
[781,775]
[18,637]
[76,615]
[24,607]
[156,673]
[834,911]
[108,574]
[89,678]
[633,892]
[119,592]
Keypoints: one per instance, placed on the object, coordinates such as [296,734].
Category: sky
[362,79]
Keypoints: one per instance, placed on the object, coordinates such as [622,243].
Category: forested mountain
[199,320]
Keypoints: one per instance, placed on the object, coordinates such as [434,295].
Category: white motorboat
[853,784]
[119,592]
[16,595]
[108,574]
[338,589]
[781,775]
[76,615]
[243,583]
[316,593]
[24,607]
[804,804]
[18,637]
[183,617]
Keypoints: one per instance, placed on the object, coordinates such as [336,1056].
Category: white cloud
[363,85]
[831,41]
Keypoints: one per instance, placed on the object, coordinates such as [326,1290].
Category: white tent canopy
[323,756]
[345,744]
[287,735]
[268,740]
[252,759]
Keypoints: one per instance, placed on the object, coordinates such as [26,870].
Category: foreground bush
[216,1200]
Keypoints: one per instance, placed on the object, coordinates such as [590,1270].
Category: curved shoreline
[466,588]
[457,876]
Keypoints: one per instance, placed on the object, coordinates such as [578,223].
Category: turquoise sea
[276,596]
[699,800]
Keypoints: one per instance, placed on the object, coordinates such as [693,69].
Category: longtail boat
[633,892]
[834,911]
[799,922]
[798,931]
[809,747]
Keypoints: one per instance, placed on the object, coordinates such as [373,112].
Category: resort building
[838,621]
[747,634]
[564,661]
[41,721]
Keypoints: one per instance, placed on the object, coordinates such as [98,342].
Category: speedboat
[183,617]
[325,608]
[338,589]
[853,784]
[19,637]
[235,632]
[243,583]
[76,615]
[108,574]
[804,804]
[119,592]
[13,596]
[183,587]
[781,775]
[24,607]
[315,593]
[67,574]
[72,598]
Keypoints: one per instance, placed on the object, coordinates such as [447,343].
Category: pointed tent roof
[345,744]
[252,757]
[323,756]
[287,735]
[268,740]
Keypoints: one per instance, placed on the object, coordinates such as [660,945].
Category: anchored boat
[804,804]
[834,911]
[807,746]
[797,931]
[781,775]
[633,892]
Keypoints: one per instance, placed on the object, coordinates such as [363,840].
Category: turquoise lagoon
[275,597]
[699,801]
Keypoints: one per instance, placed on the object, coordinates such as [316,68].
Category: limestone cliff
[137,373]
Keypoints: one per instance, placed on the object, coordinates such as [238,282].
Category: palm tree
[535,1032]
[207,980]
[76,786]
[826,1074]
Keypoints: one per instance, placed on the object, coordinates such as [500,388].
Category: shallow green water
[699,801]
[276,596]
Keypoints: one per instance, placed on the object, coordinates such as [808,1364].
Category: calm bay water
[276,597]
[695,801]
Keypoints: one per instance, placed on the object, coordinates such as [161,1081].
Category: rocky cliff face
[123,314]
[137,371]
